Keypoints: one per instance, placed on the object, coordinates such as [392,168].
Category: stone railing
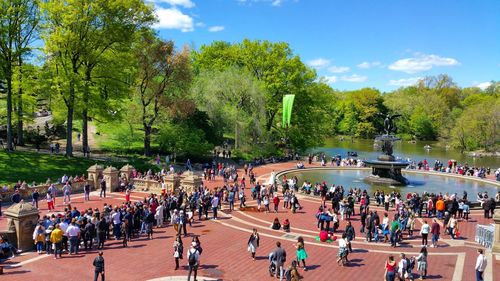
[76,187]
[145,184]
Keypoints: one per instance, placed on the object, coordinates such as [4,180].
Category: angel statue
[389,125]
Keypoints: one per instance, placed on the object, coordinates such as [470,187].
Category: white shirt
[481,263]
[116,218]
[425,229]
[72,230]
[402,266]
[342,243]
[63,226]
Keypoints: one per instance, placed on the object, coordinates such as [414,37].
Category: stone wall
[76,187]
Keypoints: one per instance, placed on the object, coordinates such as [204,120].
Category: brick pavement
[225,256]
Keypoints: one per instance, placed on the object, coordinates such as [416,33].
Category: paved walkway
[225,255]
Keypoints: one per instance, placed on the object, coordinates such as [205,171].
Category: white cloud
[330,79]
[421,62]
[338,69]
[200,24]
[182,3]
[173,19]
[277,3]
[405,81]
[216,28]
[483,85]
[319,63]
[367,64]
[354,78]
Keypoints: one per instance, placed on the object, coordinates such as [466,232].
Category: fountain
[386,169]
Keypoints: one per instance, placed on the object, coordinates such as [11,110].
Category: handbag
[176,254]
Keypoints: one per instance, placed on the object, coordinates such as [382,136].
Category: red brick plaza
[225,255]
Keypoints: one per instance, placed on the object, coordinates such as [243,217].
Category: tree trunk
[8,76]
[147,140]
[85,113]
[20,138]
[69,120]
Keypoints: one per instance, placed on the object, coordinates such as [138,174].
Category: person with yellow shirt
[56,238]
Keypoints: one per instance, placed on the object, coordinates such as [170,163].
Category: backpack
[410,264]
[192,257]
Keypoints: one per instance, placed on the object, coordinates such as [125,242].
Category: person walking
[279,256]
[402,267]
[178,250]
[99,266]
[253,242]
[481,263]
[301,252]
[193,260]
[215,205]
[390,269]
[50,202]
[35,196]
[422,263]
[350,235]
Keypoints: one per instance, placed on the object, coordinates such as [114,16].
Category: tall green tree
[77,35]
[163,74]
[18,24]
[234,99]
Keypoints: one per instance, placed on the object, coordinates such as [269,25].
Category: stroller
[272,264]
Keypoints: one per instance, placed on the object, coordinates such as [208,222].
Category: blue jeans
[73,244]
[435,238]
[39,246]
[479,276]
[390,276]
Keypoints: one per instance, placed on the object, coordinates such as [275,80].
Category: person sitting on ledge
[276,224]
[286,225]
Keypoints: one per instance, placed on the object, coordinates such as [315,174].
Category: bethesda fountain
[386,169]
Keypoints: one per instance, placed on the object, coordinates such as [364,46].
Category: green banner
[287,109]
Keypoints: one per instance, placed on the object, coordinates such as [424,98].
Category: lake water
[434,183]
[404,149]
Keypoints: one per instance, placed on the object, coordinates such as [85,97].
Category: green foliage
[183,140]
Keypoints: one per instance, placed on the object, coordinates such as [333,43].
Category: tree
[162,74]
[77,35]
[234,99]
[18,24]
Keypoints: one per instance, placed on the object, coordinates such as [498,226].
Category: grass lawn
[30,166]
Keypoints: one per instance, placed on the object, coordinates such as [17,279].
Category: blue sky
[353,44]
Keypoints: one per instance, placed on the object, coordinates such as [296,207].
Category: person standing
[35,196]
[56,238]
[301,252]
[52,190]
[99,266]
[193,260]
[276,202]
[86,191]
[178,250]
[253,242]
[435,231]
[73,233]
[67,193]
[103,188]
[215,205]
[481,263]
[424,231]
[279,255]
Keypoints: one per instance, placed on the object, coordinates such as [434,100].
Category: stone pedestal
[94,174]
[22,218]
[172,182]
[496,240]
[110,175]
[127,171]
[191,181]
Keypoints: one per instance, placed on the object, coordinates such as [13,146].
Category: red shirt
[390,268]
[276,200]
